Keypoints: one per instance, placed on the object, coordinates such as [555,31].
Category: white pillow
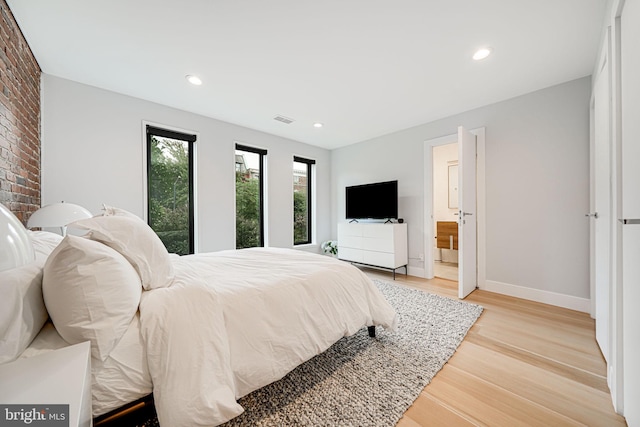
[113,211]
[135,240]
[22,310]
[44,242]
[91,293]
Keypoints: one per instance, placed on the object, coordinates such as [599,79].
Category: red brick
[19,119]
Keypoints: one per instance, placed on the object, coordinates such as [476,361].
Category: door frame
[480,201]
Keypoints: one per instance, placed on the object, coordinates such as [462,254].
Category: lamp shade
[16,248]
[57,215]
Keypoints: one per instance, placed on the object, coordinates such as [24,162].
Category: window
[302,180]
[170,208]
[249,196]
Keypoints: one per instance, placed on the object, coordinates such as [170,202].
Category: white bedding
[122,378]
[230,323]
[235,321]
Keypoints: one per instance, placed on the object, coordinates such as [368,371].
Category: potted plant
[330,247]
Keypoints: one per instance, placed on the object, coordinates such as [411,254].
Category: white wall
[92,153]
[537,185]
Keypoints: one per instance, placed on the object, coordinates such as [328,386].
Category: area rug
[361,381]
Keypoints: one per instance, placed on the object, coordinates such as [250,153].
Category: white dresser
[374,244]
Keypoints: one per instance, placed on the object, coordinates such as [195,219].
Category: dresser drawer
[350,254]
[379,258]
[380,231]
[350,242]
[350,229]
[378,244]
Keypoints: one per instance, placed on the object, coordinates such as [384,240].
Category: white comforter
[235,321]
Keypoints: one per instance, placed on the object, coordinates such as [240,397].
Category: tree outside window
[249,197]
[170,188]
[302,180]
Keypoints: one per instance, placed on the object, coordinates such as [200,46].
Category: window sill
[308,247]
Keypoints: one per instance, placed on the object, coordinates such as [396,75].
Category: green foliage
[169,193]
[247,212]
[169,201]
[330,247]
[300,218]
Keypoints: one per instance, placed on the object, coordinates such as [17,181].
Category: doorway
[445,210]
[479,263]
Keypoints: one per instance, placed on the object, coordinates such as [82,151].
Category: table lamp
[57,215]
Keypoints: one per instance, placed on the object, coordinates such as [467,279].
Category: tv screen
[372,201]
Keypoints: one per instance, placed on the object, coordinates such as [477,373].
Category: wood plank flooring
[522,364]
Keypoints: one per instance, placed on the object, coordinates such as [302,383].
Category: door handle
[462,215]
[630,221]
[595,215]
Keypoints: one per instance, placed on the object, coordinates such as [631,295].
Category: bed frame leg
[372,331]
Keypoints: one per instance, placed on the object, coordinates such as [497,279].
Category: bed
[197,331]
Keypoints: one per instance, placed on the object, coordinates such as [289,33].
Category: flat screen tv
[372,201]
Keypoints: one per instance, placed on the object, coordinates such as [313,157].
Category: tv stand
[374,244]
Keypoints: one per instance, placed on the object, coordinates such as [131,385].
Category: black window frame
[309,163]
[262,153]
[190,139]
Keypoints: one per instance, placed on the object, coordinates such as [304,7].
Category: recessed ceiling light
[317,125]
[194,80]
[482,53]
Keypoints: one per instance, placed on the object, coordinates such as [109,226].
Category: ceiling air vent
[283,119]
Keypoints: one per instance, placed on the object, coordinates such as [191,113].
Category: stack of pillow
[90,285]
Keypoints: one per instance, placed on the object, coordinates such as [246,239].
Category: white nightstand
[58,377]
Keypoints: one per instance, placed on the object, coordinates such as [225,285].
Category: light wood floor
[445,270]
[522,364]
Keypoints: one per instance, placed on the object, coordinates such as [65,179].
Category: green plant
[330,247]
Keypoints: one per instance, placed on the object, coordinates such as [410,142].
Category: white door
[601,205]
[467,228]
[630,312]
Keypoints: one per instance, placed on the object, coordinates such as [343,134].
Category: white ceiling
[364,68]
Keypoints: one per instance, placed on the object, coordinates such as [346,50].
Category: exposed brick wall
[19,120]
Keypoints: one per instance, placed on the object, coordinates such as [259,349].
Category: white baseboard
[415,271]
[546,297]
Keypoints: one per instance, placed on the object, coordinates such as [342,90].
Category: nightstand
[59,377]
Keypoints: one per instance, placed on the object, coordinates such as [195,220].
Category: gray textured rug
[361,381]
